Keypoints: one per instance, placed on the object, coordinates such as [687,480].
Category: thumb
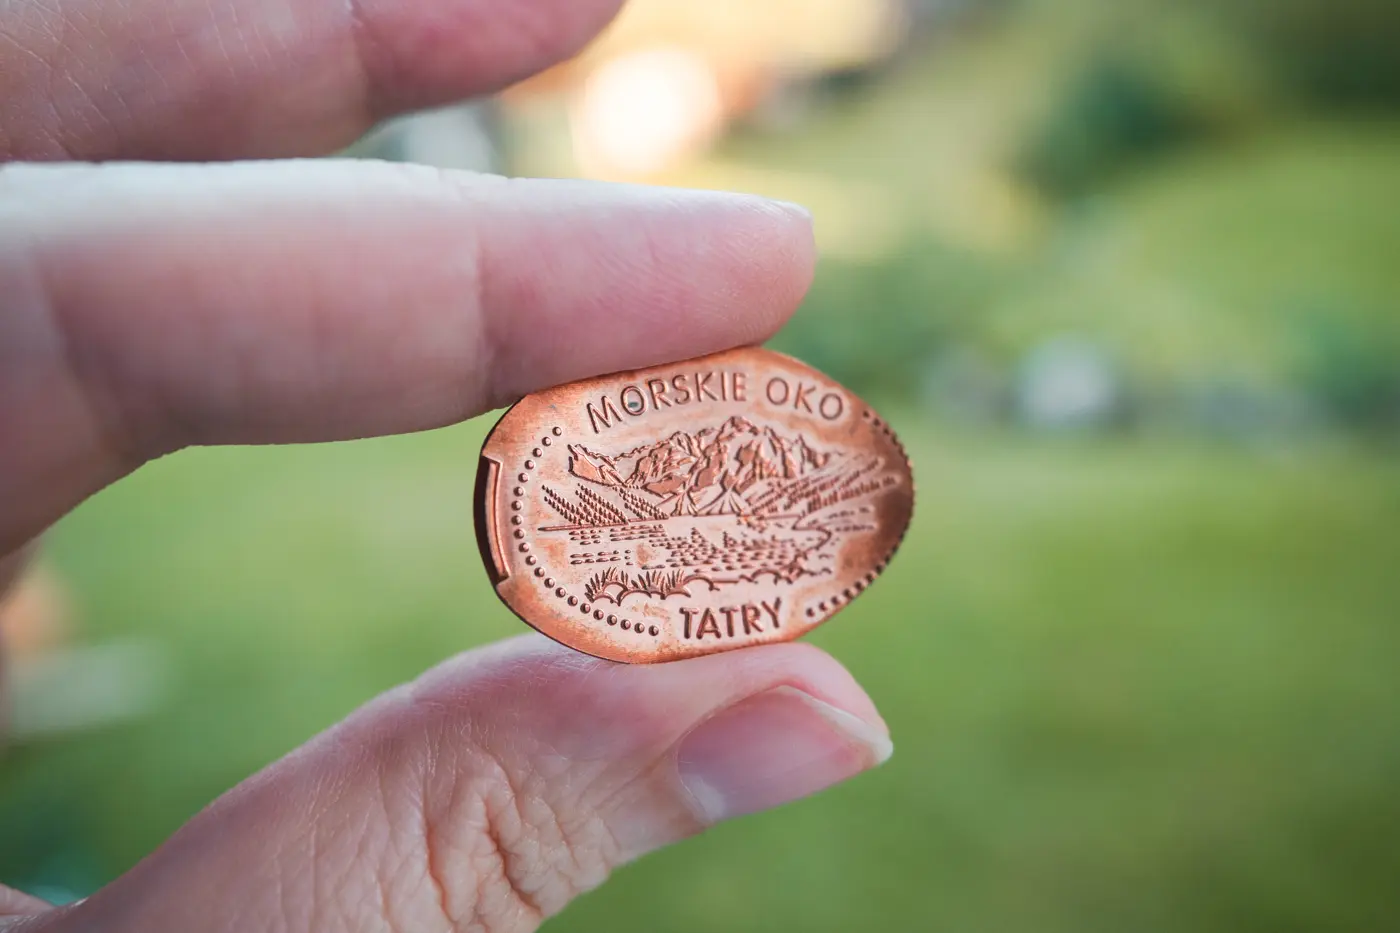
[494,789]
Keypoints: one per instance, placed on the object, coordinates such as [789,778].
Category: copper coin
[731,500]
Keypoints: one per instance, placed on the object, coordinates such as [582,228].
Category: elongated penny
[726,501]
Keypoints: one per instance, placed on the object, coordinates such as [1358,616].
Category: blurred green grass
[1133,685]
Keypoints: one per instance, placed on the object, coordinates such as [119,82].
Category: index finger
[153,307]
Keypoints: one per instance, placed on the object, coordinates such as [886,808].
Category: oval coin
[731,500]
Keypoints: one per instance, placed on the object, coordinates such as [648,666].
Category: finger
[201,79]
[11,566]
[153,307]
[17,904]
[496,788]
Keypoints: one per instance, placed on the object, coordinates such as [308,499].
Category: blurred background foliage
[1123,275]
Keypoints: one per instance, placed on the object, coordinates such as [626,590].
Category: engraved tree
[599,509]
[639,506]
[568,511]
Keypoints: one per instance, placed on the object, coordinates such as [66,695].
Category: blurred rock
[87,687]
[51,684]
[1243,411]
[964,386]
[1069,383]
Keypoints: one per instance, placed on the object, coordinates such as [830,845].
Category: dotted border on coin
[517,505]
[836,600]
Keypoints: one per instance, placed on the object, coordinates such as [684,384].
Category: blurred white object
[80,688]
[50,684]
[1068,383]
[644,111]
[456,137]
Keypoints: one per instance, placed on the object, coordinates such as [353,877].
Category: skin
[151,306]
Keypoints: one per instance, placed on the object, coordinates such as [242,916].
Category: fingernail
[776,746]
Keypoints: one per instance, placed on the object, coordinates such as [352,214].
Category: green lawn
[1133,686]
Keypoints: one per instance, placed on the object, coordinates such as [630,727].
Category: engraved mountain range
[736,468]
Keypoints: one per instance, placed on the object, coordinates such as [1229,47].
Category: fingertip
[638,276]
[776,241]
[772,748]
[816,672]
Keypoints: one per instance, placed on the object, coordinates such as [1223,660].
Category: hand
[151,307]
